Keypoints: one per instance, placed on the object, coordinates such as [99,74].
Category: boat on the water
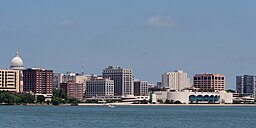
[111,106]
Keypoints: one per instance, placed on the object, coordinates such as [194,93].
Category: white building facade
[192,97]
[98,86]
[176,80]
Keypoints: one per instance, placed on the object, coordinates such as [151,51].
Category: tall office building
[207,82]
[10,80]
[123,80]
[141,88]
[246,84]
[176,80]
[37,80]
[98,86]
[56,80]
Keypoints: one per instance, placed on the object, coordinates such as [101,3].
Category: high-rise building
[141,88]
[123,80]
[98,86]
[246,84]
[56,80]
[206,82]
[176,80]
[159,84]
[68,77]
[10,80]
[73,89]
[37,80]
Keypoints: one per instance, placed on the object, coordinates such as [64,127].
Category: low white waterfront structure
[192,97]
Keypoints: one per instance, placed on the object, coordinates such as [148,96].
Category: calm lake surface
[127,117]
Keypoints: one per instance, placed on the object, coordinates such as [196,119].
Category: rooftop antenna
[17,53]
[83,71]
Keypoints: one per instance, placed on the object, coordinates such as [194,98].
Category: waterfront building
[193,97]
[209,82]
[159,84]
[17,64]
[73,89]
[10,80]
[57,80]
[141,88]
[37,80]
[99,86]
[76,77]
[123,80]
[246,84]
[176,80]
[69,77]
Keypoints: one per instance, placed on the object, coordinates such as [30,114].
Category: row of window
[209,78]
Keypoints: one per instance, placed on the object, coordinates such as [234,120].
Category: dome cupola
[17,63]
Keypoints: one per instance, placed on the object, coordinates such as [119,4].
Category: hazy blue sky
[149,36]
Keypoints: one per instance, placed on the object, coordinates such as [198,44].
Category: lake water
[127,117]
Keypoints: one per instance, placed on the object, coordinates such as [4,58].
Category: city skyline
[151,37]
[19,64]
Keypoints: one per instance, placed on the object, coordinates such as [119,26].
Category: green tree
[60,93]
[9,98]
[230,91]
[144,101]
[57,101]
[40,99]
[160,101]
[73,101]
[177,102]
[168,101]
[48,102]
[27,98]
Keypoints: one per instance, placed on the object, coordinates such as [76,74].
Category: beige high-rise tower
[176,80]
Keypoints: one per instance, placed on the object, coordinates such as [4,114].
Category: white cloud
[66,23]
[161,21]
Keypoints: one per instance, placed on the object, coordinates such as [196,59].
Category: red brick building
[73,89]
[206,82]
[37,80]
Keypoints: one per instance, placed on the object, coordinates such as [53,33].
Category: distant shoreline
[213,105]
[153,105]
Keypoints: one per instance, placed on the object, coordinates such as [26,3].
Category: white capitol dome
[17,63]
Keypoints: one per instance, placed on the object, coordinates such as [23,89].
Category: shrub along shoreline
[59,97]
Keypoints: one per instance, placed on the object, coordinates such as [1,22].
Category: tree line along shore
[61,98]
